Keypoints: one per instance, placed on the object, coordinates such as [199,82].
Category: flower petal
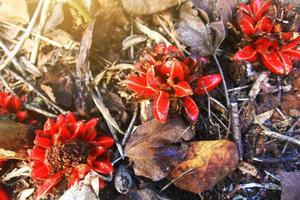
[272,61]
[103,167]
[78,130]
[173,69]
[286,61]
[104,141]
[246,24]
[37,153]
[291,49]
[14,104]
[90,135]
[209,82]
[262,9]
[64,133]
[78,173]
[48,184]
[3,194]
[247,53]
[161,48]
[265,24]
[245,8]
[42,141]
[139,85]
[255,5]
[152,81]
[50,127]
[39,171]
[182,89]
[191,108]
[21,116]
[161,106]
[91,124]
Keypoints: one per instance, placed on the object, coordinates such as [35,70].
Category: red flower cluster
[13,104]
[166,75]
[265,38]
[68,148]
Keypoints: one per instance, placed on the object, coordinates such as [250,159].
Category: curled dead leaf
[201,35]
[211,161]
[146,7]
[153,148]
[218,8]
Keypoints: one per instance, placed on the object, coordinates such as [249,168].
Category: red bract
[12,104]
[275,49]
[165,75]
[3,194]
[68,148]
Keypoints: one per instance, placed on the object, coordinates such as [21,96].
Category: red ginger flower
[275,48]
[166,75]
[68,148]
[13,104]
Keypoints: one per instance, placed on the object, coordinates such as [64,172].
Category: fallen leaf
[133,40]
[146,7]
[14,11]
[15,139]
[210,161]
[202,36]
[152,148]
[290,184]
[217,8]
[263,117]
[248,168]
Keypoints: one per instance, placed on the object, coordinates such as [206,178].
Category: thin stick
[40,30]
[177,178]
[38,110]
[235,127]
[285,138]
[223,81]
[45,39]
[23,37]
[128,131]
[14,60]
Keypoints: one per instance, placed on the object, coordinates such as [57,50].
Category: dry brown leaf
[211,161]
[152,148]
[146,7]
[15,139]
[217,8]
[201,35]
[14,11]
[290,183]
